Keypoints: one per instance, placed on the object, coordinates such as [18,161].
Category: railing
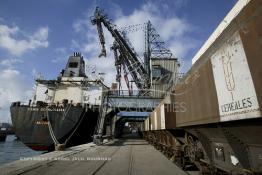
[134,93]
[124,93]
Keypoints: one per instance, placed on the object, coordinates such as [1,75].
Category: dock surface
[124,156]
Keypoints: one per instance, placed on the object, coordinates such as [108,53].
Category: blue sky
[38,36]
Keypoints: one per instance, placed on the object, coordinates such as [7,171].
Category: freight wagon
[212,120]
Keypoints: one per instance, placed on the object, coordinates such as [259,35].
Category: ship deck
[122,156]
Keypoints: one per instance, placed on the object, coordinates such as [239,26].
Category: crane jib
[128,56]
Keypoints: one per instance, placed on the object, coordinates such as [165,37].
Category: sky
[37,37]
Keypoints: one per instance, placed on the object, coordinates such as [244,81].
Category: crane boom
[127,56]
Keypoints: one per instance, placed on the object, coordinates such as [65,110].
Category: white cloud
[10,39]
[172,29]
[13,88]
[10,63]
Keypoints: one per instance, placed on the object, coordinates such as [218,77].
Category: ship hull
[31,125]
[2,136]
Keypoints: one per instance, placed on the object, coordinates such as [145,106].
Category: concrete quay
[123,156]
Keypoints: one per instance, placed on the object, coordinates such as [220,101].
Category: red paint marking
[38,147]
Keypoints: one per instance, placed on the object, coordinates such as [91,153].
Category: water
[13,149]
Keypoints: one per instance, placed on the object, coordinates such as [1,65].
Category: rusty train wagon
[212,119]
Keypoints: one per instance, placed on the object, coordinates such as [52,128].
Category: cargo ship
[63,112]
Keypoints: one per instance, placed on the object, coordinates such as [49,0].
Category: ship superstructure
[63,111]
[72,86]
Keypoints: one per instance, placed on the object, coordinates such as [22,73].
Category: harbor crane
[125,56]
[128,62]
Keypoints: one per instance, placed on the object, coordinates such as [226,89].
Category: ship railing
[45,104]
[20,103]
[128,93]
[150,93]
